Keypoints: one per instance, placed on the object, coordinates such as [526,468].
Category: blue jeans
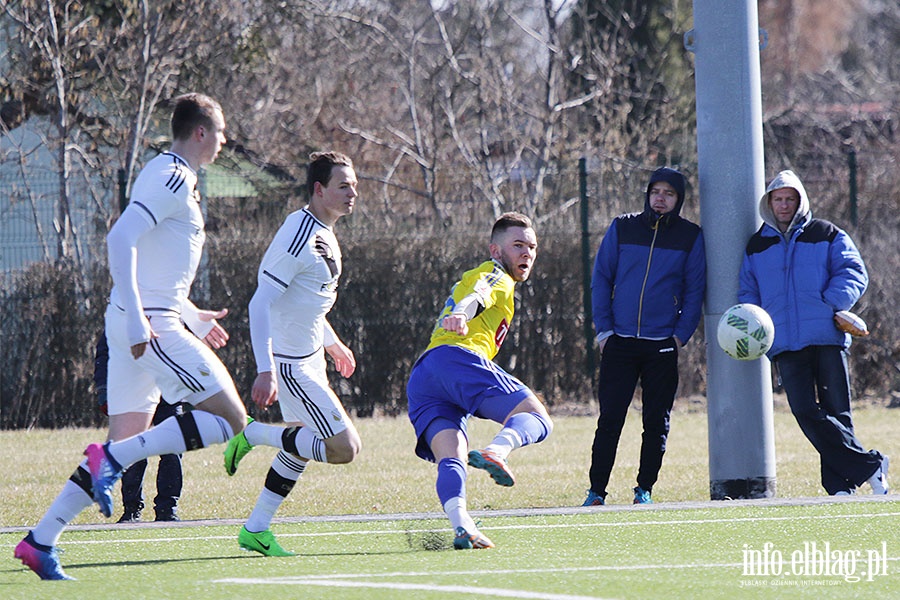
[817,385]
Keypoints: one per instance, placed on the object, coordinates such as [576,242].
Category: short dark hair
[320,166]
[191,111]
[510,219]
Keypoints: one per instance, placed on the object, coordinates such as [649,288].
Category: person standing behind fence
[169,478]
[154,250]
[647,293]
[455,378]
[802,271]
[297,286]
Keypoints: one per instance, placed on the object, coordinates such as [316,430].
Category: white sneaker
[879,481]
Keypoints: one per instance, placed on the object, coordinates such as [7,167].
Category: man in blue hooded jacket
[802,270]
[647,293]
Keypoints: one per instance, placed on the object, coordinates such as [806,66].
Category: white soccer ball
[745,332]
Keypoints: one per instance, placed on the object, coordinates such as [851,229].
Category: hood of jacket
[678,182]
[785,179]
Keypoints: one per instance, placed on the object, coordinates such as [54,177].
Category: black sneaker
[167,516]
[131,515]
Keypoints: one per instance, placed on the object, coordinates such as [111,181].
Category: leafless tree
[454,100]
[56,35]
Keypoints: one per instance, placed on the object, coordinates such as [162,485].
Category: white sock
[261,517]
[167,438]
[262,434]
[308,443]
[459,515]
[505,442]
[67,505]
[286,467]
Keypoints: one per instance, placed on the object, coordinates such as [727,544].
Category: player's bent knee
[341,455]
[227,405]
[548,423]
[545,421]
[531,404]
[343,448]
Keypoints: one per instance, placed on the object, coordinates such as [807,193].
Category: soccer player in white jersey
[154,249]
[297,286]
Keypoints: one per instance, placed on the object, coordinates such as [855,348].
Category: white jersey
[165,195]
[304,263]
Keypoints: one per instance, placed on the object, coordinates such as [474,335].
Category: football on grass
[745,332]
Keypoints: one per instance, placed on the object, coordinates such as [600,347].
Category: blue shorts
[452,384]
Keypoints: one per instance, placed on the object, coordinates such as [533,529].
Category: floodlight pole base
[742,489]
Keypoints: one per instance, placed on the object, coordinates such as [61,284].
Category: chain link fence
[400,262]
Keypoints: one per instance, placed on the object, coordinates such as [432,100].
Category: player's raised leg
[527,423]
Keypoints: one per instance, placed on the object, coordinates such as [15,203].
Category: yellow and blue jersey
[487,330]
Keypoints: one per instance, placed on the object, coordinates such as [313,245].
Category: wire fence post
[201,287]
[123,197]
[586,266]
[854,200]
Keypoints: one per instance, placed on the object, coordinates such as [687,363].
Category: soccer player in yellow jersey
[455,378]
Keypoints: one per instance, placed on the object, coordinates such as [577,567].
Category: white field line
[352,580]
[523,526]
[480,572]
[406,587]
[494,513]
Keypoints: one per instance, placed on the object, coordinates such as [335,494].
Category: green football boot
[262,542]
[237,448]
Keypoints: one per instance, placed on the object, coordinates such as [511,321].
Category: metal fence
[30,215]
[30,219]
[577,205]
[30,207]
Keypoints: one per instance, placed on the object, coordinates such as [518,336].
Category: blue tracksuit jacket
[801,281]
[802,278]
[649,277]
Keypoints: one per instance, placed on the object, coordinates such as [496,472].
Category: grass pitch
[371,530]
[834,549]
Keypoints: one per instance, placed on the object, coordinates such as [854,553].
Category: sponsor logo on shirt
[500,335]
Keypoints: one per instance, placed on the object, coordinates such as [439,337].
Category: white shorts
[306,397]
[176,365]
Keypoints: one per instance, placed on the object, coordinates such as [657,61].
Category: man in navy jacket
[802,270]
[647,290]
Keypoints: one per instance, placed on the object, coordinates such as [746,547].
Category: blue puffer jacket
[650,273]
[803,277]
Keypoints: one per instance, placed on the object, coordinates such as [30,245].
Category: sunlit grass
[639,552]
[388,478]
